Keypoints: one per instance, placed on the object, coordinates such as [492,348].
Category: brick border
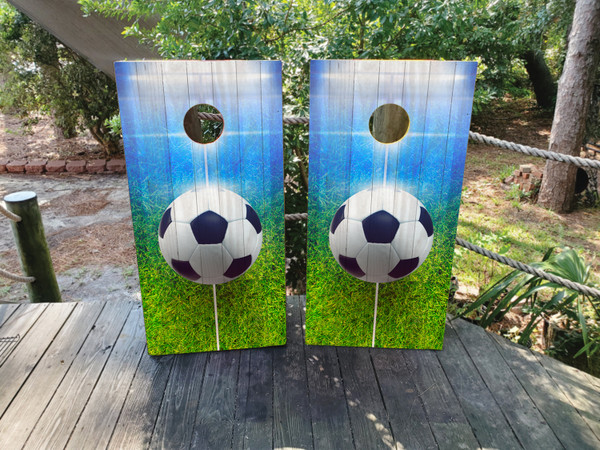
[39,166]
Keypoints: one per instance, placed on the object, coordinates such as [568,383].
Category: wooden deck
[79,377]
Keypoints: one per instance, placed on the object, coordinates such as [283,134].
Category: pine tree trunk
[572,103]
[544,86]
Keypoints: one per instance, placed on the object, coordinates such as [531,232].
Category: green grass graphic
[411,311]
[178,313]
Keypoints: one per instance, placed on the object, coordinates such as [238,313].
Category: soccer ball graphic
[381,235]
[210,236]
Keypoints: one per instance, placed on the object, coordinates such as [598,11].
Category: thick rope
[297,216]
[6,213]
[561,157]
[13,277]
[530,270]
[210,116]
[295,120]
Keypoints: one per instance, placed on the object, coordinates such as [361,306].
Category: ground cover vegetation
[520,46]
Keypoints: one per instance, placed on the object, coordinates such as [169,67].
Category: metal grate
[7,344]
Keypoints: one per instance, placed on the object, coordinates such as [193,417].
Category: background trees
[40,75]
[576,87]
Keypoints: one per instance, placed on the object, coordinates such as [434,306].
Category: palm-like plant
[521,288]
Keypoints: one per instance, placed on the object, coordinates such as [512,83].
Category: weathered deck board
[101,413]
[216,407]
[6,311]
[410,427]
[522,414]
[80,377]
[177,414]
[446,418]
[20,419]
[368,416]
[291,419]
[575,385]
[482,411]
[136,423]
[562,417]
[254,411]
[328,410]
[62,413]
[25,357]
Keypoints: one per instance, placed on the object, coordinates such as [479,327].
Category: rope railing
[14,277]
[581,288]
[296,216]
[9,215]
[532,151]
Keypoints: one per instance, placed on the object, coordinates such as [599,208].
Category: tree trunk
[544,86]
[574,94]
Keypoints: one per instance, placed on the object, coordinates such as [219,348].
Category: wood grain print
[203,146]
[387,144]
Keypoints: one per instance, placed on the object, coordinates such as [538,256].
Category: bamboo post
[33,248]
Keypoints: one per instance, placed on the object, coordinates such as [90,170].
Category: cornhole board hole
[388,141]
[203,147]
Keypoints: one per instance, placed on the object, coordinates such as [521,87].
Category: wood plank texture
[444,413]
[6,310]
[63,412]
[575,385]
[410,427]
[98,419]
[253,425]
[136,423]
[328,409]
[523,416]
[43,381]
[489,424]
[177,414]
[292,424]
[216,407]
[370,423]
[562,417]
[19,365]
[81,378]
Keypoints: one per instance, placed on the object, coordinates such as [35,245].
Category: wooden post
[32,246]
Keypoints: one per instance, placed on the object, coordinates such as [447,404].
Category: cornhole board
[245,162]
[345,160]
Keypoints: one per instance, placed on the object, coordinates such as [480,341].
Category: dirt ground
[42,140]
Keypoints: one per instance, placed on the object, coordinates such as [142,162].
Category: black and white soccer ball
[381,235]
[210,236]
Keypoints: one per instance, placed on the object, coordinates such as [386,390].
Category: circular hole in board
[389,123]
[203,123]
